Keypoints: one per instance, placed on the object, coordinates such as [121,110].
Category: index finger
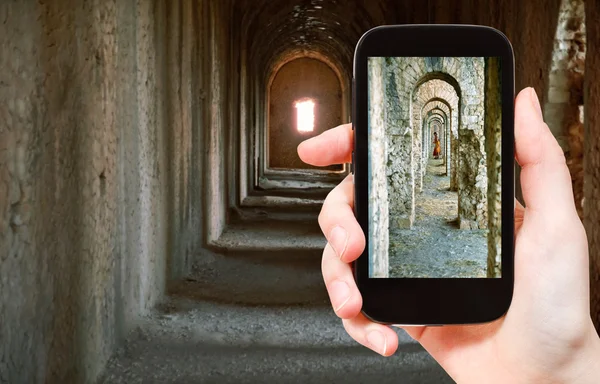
[333,146]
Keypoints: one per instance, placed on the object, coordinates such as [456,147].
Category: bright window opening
[306,115]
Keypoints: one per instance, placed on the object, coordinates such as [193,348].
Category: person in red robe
[437,147]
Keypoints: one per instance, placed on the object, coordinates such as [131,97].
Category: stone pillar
[454,148]
[493,147]
[444,161]
[472,178]
[591,163]
[378,194]
[416,145]
[447,145]
[401,156]
[425,147]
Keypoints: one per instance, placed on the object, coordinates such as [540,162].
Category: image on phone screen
[434,167]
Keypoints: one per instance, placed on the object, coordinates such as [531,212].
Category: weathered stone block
[400,222]
[556,95]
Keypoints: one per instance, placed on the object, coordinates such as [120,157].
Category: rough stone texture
[591,163]
[565,93]
[472,172]
[88,200]
[400,150]
[299,79]
[565,82]
[379,204]
[493,148]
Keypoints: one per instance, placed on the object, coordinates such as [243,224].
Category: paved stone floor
[435,246]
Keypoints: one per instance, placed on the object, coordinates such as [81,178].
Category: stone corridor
[418,104]
[155,223]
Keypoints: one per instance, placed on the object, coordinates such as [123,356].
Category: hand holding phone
[433,192]
[547,333]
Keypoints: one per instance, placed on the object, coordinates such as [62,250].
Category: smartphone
[433,168]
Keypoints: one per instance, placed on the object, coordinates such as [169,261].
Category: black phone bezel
[434,301]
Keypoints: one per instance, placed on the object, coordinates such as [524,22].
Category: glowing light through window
[306,115]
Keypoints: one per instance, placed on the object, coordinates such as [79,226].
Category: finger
[333,146]
[545,178]
[345,297]
[338,223]
[378,337]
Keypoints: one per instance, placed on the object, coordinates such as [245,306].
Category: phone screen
[434,167]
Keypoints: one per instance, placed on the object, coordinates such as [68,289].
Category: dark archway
[297,80]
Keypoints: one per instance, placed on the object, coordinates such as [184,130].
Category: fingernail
[377,341]
[340,294]
[338,238]
[536,101]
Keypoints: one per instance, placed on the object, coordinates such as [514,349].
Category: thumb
[545,178]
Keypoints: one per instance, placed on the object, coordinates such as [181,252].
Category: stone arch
[444,89]
[303,77]
[466,76]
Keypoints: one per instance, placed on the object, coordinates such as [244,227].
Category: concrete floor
[190,341]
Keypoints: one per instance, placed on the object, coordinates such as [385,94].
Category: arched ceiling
[437,113]
[276,30]
[436,119]
[436,103]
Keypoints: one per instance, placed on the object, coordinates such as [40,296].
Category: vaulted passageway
[407,93]
[155,224]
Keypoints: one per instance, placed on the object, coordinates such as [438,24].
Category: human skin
[547,335]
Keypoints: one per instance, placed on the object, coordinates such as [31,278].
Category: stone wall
[400,152]
[99,113]
[378,193]
[472,173]
[493,147]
